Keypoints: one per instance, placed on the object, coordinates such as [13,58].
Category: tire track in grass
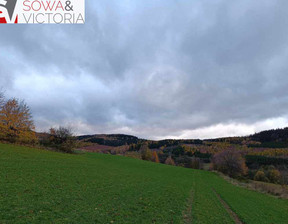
[187,213]
[228,209]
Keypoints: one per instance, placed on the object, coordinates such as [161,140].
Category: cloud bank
[155,69]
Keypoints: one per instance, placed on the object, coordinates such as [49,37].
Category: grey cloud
[153,68]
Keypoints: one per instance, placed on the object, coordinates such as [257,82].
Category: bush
[268,174]
[230,162]
[170,161]
[62,139]
[260,176]
[135,155]
[274,176]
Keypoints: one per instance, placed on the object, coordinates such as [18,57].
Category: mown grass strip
[187,214]
[228,209]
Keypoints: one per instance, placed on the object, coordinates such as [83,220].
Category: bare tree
[63,139]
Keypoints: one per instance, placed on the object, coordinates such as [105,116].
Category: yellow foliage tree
[16,122]
[155,157]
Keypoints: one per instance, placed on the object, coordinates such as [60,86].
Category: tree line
[229,161]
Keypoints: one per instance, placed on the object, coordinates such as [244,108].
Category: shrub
[68,146]
[274,176]
[135,155]
[62,139]
[268,174]
[273,189]
[260,176]
[170,161]
[230,162]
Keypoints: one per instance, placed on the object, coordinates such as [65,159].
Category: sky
[154,68]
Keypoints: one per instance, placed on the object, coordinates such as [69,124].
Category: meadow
[38,186]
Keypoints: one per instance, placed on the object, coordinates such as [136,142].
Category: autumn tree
[170,161]
[274,175]
[146,153]
[155,157]
[230,162]
[16,122]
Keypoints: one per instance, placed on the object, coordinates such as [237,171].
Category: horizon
[203,139]
[157,70]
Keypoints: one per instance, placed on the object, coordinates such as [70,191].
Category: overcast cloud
[155,68]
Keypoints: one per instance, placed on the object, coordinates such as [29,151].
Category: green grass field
[47,187]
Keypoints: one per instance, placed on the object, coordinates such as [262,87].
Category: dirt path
[228,209]
[187,213]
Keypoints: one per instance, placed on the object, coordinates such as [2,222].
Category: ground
[39,186]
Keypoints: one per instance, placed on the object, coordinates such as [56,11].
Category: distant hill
[274,135]
[275,138]
[110,140]
[121,139]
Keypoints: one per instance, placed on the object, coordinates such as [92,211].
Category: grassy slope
[44,187]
